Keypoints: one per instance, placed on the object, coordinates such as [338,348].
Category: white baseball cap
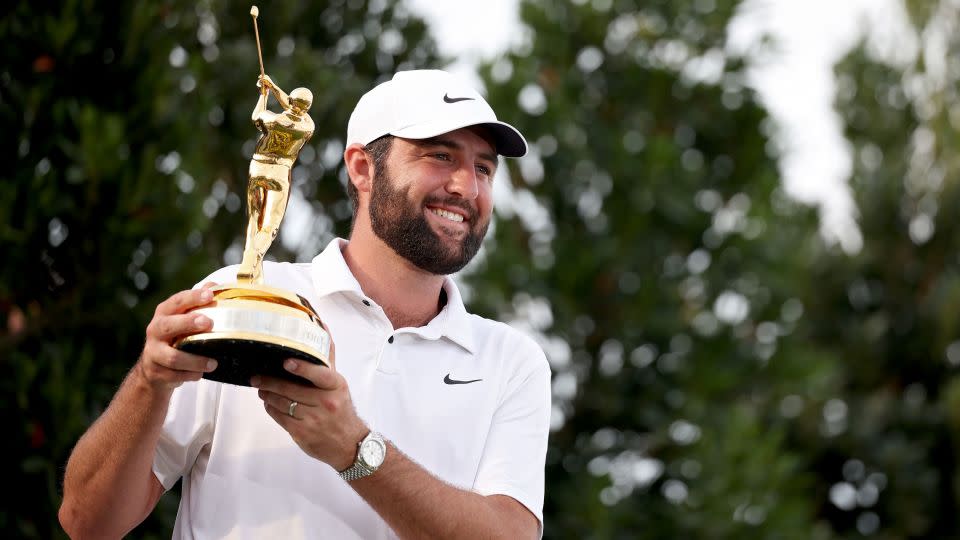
[424,103]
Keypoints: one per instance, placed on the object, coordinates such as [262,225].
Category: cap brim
[509,141]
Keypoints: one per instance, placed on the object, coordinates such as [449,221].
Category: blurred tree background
[720,371]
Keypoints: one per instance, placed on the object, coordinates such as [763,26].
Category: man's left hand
[324,422]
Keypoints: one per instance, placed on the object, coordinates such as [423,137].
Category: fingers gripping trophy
[256,327]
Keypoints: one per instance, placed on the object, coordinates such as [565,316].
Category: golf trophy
[256,327]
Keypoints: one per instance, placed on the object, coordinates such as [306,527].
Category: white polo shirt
[244,477]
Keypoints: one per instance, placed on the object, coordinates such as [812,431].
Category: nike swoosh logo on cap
[449,99]
[448,380]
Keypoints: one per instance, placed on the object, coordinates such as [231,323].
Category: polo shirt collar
[330,274]
[456,325]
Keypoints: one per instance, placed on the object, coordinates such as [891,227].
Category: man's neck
[408,295]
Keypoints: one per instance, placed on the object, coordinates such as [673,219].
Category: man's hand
[325,425]
[163,366]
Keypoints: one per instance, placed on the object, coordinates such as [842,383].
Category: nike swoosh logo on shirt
[449,99]
[448,380]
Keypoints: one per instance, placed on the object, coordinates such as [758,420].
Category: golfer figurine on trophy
[284,134]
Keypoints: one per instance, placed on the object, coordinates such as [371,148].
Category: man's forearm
[109,486]
[416,504]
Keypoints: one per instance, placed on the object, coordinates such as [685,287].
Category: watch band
[360,467]
[355,472]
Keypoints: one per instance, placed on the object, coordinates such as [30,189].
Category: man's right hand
[162,365]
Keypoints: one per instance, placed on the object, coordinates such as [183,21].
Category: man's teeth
[448,215]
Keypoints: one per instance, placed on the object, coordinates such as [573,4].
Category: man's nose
[464,183]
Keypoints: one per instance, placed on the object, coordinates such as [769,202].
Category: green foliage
[890,311]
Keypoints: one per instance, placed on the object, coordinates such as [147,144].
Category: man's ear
[359,167]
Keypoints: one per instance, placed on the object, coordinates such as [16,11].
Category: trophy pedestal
[255,328]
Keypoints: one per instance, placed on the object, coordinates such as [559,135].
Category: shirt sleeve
[515,452]
[187,430]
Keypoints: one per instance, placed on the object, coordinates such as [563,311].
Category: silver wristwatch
[370,455]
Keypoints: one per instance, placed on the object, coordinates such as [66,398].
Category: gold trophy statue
[255,327]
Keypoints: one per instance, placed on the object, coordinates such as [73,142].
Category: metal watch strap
[355,472]
[358,469]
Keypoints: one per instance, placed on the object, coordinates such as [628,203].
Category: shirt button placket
[386,362]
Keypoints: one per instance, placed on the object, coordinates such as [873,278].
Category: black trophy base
[240,359]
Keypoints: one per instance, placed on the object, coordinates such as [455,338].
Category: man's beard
[402,225]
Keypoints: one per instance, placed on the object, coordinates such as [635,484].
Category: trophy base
[240,359]
[256,328]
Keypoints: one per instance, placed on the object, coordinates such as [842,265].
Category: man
[268,188]
[432,423]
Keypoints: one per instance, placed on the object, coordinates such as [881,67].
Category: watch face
[372,453]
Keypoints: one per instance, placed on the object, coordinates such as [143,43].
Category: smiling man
[432,423]
[445,243]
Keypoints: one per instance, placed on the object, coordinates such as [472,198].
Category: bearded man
[432,422]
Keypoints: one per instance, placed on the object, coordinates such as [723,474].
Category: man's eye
[442,156]
[483,169]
